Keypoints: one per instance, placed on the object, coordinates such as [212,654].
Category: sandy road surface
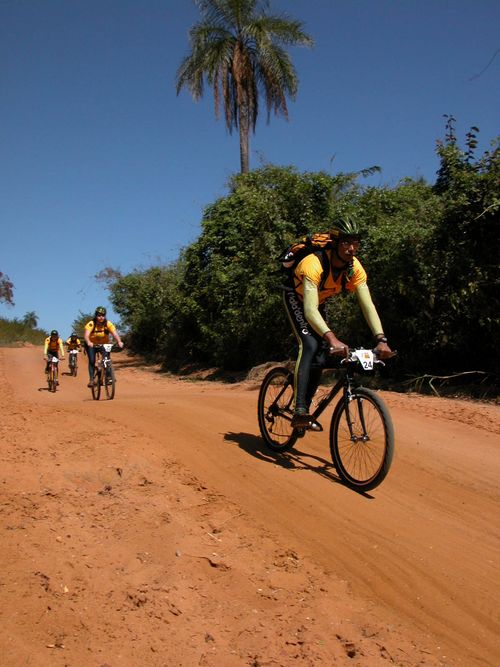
[155,529]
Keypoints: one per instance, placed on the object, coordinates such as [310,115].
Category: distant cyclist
[53,346]
[97,332]
[305,305]
[73,343]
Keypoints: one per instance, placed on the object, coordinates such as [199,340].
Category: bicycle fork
[348,399]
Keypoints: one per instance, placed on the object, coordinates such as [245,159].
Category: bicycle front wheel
[362,439]
[53,379]
[275,409]
[110,381]
[96,385]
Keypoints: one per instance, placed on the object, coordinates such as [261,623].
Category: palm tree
[30,319]
[238,47]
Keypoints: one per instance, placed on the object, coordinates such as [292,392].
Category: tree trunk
[244,140]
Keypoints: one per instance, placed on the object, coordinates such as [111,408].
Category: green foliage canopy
[431,253]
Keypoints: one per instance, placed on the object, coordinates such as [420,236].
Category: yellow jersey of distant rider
[73,344]
[53,346]
[99,331]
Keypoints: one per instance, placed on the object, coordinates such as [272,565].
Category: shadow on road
[294,459]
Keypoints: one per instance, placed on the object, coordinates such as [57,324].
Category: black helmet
[100,310]
[54,332]
[73,335]
[345,226]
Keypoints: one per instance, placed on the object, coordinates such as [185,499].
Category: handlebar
[107,347]
[366,358]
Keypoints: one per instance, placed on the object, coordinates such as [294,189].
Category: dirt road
[156,530]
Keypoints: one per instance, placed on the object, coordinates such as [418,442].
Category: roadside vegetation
[430,250]
[16,332]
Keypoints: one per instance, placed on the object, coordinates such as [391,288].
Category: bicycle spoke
[362,440]
[275,410]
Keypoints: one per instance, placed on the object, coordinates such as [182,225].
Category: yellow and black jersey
[99,331]
[310,267]
[53,346]
[73,344]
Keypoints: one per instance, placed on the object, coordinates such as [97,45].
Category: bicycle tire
[52,379]
[275,409]
[110,381]
[363,460]
[96,385]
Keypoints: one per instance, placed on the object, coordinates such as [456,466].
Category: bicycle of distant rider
[53,372]
[73,362]
[104,374]
[361,430]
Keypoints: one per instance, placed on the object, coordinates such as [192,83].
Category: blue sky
[102,164]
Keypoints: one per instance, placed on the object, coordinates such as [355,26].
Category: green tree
[467,304]
[79,323]
[232,280]
[239,48]
[399,226]
[148,303]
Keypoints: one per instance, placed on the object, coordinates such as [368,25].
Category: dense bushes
[430,252]
[15,331]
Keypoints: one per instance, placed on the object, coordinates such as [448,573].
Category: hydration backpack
[312,244]
[316,244]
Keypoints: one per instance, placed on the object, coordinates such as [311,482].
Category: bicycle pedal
[315,426]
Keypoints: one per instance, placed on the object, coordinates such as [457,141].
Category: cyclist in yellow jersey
[54,346]
[73,342]
[97,332]
[305,305]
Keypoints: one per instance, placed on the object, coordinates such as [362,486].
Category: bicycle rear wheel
[275,409]
[96,385]
[110,381]
[362,440]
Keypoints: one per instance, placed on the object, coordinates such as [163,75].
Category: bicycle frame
[103,355]
[345,383]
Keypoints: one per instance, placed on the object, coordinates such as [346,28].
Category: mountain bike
[73,362]
[53,372]
[104,374]
[361,430]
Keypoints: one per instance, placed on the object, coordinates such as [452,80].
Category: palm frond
[238,48]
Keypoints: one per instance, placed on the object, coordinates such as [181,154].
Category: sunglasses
[347,243]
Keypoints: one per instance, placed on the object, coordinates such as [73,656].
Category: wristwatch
[381,339]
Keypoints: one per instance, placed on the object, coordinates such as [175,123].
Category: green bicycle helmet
[345,226]
[100,310]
